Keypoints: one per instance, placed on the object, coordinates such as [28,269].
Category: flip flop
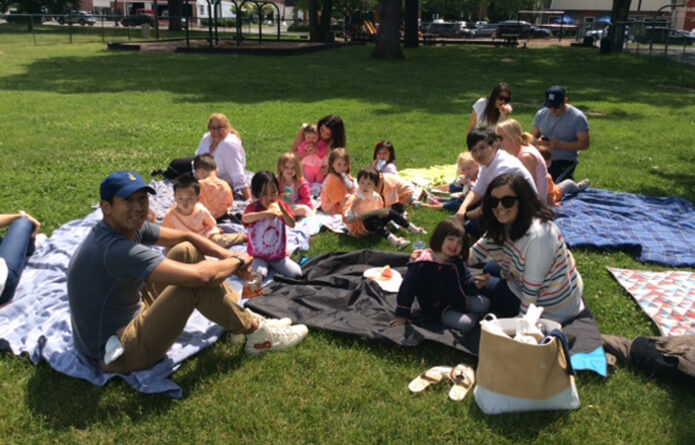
[463,378]
[429,377]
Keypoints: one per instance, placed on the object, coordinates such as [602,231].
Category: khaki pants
[228,239]
[166,309]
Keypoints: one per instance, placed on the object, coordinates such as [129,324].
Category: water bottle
[419,245]
[380,164]
[348,181]
[288,193]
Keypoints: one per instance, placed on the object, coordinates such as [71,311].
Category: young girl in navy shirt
[446,292]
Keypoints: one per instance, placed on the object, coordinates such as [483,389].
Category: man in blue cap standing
[564,130]
[129,304]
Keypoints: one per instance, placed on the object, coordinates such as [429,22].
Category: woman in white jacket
[223,142]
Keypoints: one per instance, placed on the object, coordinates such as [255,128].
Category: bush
[227,23]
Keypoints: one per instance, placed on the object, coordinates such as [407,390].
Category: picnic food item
[385,275]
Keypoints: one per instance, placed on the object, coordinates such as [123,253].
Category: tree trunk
[175,13]
[619,13]
[314,31]
[388,40]
[326,14]
[411,27]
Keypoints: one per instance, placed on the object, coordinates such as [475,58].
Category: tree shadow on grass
[64,402]
[440,80]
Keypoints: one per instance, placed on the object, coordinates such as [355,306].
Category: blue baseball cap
[122,184]
[554,97]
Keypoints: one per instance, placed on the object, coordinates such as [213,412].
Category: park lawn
[70,114]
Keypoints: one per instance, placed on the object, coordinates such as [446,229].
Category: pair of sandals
[462,378]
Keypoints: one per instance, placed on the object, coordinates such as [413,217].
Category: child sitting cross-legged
[190,215]
[445,290]
[364,212]
[266,218]
[215,193]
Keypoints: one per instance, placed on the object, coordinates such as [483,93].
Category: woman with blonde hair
[223,142]
[517,143]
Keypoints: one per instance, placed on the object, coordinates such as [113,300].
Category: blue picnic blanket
[652,229]
[37,320]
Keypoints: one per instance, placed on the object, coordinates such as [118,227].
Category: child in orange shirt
[190,215]
[338,185]
[565,187]
[215,193]
[364,212]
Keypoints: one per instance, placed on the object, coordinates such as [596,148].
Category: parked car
[486,31]
[662,34]
[445,29]
[521,29]
[16,17]
[81,17]
[465,31]
[137,20]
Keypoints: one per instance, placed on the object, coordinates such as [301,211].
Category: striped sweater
[539,269]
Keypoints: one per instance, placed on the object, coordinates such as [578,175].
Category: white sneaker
[278,322]
[273,338]
[583,184]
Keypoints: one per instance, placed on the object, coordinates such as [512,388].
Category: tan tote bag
[513,376]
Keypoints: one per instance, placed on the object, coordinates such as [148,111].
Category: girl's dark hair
[261,180]
[387,145]
[480,134]
[369,173]
[449,227]
[492,114]
[337,127]
[529,207]
[185,180]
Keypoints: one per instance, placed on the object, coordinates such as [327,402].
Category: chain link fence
[47,29]
[658,39]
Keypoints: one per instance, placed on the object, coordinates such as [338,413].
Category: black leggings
[377,225]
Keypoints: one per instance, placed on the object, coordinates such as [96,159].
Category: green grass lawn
[70,114]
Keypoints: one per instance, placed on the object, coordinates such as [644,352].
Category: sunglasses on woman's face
[215,128]
[504,98]
[507,201]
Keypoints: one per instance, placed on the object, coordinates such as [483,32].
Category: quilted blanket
[653,229]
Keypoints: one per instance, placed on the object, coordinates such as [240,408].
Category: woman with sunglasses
[527,259]
[489,111]
[223,142]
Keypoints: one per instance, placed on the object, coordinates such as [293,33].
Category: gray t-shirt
[105,278]
[563,128]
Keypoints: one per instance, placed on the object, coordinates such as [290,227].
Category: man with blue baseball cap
[564,130]
[129,303]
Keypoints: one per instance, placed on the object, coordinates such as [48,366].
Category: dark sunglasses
[507,201]
[504,98]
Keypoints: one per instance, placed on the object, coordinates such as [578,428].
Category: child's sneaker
[412,228]
[275,322]
[274,338]
[398,241]
[583,184]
